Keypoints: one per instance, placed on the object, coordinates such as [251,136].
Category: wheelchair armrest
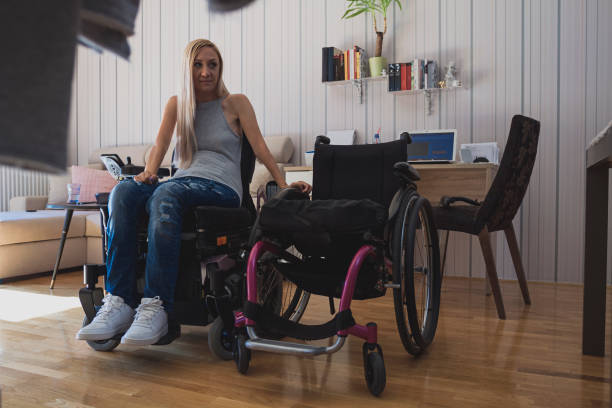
[445,202]
[290,193]
[406,172]
[321,139]
[130,170]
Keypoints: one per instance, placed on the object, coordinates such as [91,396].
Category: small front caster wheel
[374,370]
[220,341]
[102,345]
[242,355]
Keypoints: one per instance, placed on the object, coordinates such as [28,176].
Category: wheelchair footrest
[285,347]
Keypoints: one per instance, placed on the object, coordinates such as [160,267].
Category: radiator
[16,182]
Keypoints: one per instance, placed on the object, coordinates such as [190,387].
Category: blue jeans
[165,203]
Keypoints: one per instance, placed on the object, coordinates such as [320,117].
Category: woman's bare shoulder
[172,101]
[171,106]
[236,102]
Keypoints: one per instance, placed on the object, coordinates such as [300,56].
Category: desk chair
[500,205]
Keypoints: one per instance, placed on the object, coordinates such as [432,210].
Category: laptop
[432,146]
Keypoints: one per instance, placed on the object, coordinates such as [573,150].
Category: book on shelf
[403,72]
[338,65]
[362,62]
[417,74]
[332,64]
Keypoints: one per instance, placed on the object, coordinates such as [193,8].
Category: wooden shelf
[352,81]
[358,83]
[417,91]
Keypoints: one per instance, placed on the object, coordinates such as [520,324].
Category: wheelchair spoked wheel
[279,294]
[416,268]
[102,345]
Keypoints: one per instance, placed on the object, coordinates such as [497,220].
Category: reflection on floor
[532,359]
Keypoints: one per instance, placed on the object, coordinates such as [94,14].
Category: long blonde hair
[186,102]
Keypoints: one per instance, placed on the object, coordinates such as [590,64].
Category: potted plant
[357,7]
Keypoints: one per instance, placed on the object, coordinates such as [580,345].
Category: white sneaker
[114,317]
[150,323]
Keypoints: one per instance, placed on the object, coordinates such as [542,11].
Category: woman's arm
[248,122]
[164,136]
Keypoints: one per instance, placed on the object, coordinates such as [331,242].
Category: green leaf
[348,12]
[357,13]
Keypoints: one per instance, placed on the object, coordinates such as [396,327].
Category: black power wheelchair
[210,284]
[366,229]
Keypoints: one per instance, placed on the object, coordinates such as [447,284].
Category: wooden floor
[533,359]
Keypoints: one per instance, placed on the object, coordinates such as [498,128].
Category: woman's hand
[303,186]
[146,177]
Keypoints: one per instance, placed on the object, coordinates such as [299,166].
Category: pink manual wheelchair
[366,229]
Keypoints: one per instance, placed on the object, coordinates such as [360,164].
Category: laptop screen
[438,145]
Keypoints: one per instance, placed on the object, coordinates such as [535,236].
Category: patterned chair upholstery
[500,204]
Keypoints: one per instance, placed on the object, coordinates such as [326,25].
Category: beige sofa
[30,235]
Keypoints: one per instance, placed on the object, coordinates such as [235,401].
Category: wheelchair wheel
[416,268]
[279,294]
[220,342]
[101,345]
[242,355]
[374,370]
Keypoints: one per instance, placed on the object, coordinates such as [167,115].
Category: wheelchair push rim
[416,268]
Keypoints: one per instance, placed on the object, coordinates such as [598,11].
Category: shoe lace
[110,305]
[146,311]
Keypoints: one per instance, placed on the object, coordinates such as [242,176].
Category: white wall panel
[483,91]
[108,100]
[530,56]
[88,102]
[151,69]
[174,38]
[253,63]
[290,61]
[313,91]
[272,123]
[571,140]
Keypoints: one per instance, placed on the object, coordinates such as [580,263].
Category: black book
[324,78]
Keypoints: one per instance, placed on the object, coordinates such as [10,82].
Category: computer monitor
[432,146]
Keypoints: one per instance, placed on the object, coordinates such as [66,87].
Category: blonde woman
[209,123]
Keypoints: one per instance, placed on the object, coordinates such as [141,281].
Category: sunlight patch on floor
[17,306]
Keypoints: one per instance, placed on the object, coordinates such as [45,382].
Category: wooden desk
[456,179]
[598,163]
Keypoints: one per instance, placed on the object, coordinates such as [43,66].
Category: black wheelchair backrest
[247,167]
[357,171]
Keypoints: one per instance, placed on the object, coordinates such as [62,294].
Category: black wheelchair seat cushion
[322,216]
[219,218]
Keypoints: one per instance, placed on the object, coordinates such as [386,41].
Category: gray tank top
[219,148]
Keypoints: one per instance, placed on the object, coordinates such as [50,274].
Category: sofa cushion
[19,227]
[281,148]
[261,176]
[92,181]
[92,225]
[18,259]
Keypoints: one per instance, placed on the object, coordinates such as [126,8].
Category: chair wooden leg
[487,252]
[518,263]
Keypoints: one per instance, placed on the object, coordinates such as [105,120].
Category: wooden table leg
[595,247]
[67,220]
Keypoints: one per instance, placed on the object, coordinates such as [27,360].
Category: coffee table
[70,208]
